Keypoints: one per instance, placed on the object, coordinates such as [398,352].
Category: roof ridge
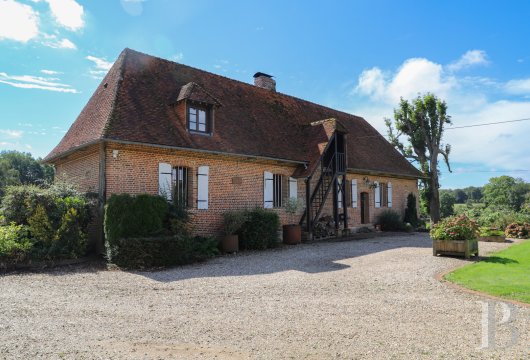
[243,83]
[122,57]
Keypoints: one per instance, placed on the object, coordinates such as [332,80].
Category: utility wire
[486,124]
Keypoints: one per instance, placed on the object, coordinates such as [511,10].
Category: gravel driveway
[364,299]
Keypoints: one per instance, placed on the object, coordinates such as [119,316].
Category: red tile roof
[135,102]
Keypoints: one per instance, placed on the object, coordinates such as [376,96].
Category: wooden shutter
[389,194]
[202,187]
[293,188]
[354,193]
[164,180]
[339,193]
[268,192]
[377,195]
[347,191]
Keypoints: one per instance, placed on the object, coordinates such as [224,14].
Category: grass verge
[505,274]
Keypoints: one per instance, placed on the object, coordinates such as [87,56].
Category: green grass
[505,274]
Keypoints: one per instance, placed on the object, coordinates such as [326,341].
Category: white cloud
[471,100]
[470,58]
[35,82]
[101,67]
[518,86]
[11,134]
[415,76]
[50,72]
[67,13]
[55,43]
[100,63]
[178,57]
[18,22]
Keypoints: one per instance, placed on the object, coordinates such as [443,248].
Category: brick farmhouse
[216,144]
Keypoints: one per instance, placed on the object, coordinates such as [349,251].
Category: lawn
[505,274]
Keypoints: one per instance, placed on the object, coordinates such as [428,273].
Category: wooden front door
[365,208]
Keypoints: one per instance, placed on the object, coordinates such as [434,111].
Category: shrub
[390,221]
[411,213]
[518,231]
[139,216]
[486,231]
[15,246]
[152,252]
[260,230]
[232,221]
[455,228]
[56,218]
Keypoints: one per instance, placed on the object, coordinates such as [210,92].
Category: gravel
[364,299]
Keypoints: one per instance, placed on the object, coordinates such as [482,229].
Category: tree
[422,121]
[21,168]
[461,196]
[506,191]
[447,202]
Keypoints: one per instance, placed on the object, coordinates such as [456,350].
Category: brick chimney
[264,81]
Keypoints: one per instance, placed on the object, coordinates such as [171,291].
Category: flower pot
[464,248]
[230,244]
[292,234]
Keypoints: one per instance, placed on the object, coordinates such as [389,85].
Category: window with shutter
[202,187]
[277,190]
[164,180]
[377,195]
[293,188]
[354,193]
[268,192]
[389,194]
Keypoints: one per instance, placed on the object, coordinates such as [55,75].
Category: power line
[486,124]
[489,171]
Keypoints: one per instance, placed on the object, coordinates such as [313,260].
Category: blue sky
[357,56]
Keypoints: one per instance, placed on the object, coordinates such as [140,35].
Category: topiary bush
[390,221]
[127,216]
[455,228]
[518,230]
[411,213]
[260,230]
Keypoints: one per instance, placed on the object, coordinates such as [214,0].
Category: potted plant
[232,222]
[456,235]
[292,233]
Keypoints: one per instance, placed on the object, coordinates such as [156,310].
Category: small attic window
[199,118]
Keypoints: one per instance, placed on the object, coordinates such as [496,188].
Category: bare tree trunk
[435,198]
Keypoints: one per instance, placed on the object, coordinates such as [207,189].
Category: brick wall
[81,168]
[234,182]
[135,171]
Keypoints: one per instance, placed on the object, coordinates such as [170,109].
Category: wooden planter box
[495,238]
[464,248]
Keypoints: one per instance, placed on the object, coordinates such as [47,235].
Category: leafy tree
[461,196]
[422,121]
[18,168]
[474,194]
[447,202]
[506,191]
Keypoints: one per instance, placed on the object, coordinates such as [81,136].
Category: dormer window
[198,119]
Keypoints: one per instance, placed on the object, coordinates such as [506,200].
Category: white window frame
[202,187]
[354,195]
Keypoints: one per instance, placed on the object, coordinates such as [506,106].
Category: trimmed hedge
[152,252]
[390,221]
[260,230]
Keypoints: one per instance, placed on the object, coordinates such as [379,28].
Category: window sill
[194,132]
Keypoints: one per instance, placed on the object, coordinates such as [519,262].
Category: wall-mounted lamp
[368,183]
[115,154]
